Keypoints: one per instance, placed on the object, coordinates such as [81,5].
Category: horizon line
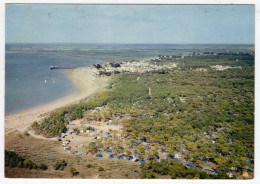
[135,43]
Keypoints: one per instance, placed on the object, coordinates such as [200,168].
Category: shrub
[189,176]
[60,165]
[57,166]
[173,176]
[43,167]
[73,171]
[76,130]
[101,169]
[26,133]
[89,165]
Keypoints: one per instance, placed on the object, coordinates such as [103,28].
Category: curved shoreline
[83,78]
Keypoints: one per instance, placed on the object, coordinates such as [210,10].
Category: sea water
[29,82]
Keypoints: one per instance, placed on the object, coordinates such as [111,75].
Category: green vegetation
[176,170]
[60,165]
[13,160]
[73,171]
[101,169]
[89,165]
[43,167]
[55,123]
[203,115]
[76,130]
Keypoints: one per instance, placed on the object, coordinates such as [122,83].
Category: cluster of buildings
[133,67]
[220,67]
[170,57]
[228,53]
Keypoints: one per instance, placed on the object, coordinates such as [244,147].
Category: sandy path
[85,80]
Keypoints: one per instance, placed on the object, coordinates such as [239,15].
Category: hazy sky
[129,23]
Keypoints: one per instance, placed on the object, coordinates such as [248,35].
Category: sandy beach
[84,79]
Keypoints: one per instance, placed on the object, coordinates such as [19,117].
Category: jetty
[61,67]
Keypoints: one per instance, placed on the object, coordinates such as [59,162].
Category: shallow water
[30,83]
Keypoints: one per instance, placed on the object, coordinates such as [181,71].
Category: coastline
[87,84]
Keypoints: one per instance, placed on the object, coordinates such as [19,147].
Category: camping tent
[206,167]
[189,164]
[111,156]
[66,149]
[99,155]
[177,156]
[120,157]
[230,174]
[64,144]
[142,161]
[92,143]
[248,161]
[108,151]
[146,147]
[215,171]
[245,175]
[143,139]
[130,158]
[136,143]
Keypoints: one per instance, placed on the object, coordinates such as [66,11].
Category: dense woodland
[176,170]
[205,115]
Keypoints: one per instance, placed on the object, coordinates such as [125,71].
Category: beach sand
[84,79]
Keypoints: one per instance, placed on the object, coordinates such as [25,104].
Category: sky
[130,24]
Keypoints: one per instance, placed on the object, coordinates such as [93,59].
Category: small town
[144,66]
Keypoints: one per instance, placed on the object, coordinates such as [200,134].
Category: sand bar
[84,79]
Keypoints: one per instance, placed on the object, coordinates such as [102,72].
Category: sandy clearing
[41,137]
[85,80]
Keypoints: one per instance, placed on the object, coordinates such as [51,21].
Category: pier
[61,67]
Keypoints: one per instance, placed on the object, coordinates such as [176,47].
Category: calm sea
[29,82]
